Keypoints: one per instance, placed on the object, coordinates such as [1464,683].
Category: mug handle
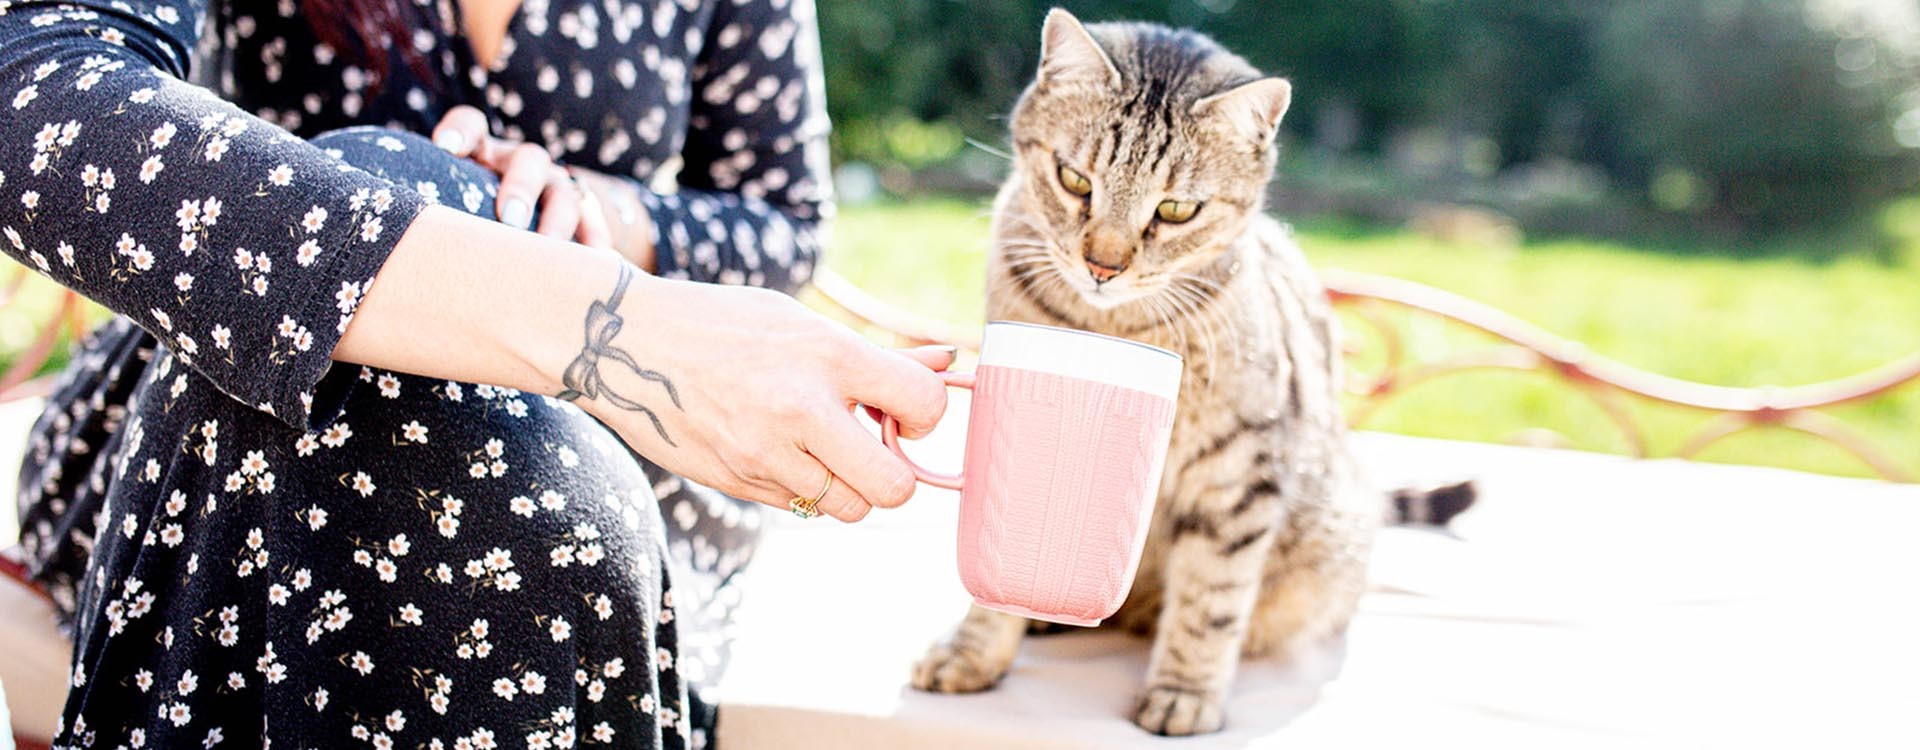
[890,434]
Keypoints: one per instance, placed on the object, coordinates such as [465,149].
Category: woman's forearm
[469,299]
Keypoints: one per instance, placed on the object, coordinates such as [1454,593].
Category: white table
[1587,601]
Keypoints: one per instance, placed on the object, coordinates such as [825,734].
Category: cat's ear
[1068,54]
[1254,108]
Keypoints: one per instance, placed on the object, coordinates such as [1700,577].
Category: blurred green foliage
[1748,115]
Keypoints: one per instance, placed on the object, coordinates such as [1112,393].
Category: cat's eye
[1074,182]
[1177,212]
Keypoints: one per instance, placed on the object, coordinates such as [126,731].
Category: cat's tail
[1431,507]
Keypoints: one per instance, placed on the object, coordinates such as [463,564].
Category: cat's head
[1142,153]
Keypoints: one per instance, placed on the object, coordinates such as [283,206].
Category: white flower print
[362,663]
[347,297]
[188,683]
[216,148]
[363,484]
[280,176]
[414,432]
[25,96]
[521,505]
[183,281]
[188,218]
[222,336]
[162,135]
[505,688]
[389,385]
[307,253]
[179,714]
[410,614]
[315,220]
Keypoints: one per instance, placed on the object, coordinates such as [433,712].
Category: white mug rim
[1086,355]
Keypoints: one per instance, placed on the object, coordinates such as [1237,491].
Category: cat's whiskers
[1188,315]
[1219,315]
[1162,310]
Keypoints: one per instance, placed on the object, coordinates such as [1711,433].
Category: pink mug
[1066,441]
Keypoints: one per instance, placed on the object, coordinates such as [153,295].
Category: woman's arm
[742,390]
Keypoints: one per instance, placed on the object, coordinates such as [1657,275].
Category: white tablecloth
[1588,601]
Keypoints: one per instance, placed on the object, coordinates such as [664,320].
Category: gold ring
[804,508]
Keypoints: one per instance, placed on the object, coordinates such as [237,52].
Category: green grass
[1704,316]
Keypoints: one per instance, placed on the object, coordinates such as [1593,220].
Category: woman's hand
[569,208]
[746,391]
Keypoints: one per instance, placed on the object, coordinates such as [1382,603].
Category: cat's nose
[1103,268]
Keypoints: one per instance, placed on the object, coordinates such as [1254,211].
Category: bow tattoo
[583,379]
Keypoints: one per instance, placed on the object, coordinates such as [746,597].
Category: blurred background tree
[1741,118]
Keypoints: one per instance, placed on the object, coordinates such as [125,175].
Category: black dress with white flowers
[257,546]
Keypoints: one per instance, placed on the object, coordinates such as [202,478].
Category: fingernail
[953,352]
[514,213]
[449,140]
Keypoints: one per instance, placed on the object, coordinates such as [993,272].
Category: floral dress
[256,546]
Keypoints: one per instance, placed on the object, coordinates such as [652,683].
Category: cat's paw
[946,669]
[1176,712]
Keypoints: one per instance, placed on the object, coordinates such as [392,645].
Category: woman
[259,547]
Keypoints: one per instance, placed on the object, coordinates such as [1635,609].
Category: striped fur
[1260,539]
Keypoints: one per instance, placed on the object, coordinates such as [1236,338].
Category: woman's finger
[861,461]
[560,206]
[523,177]
[462,130]
[898,385]
[937,358]
[593,230]
[807,476]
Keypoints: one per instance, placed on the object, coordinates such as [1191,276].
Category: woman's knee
[412,160]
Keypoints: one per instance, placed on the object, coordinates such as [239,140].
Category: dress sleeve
[754,181]
[243,248]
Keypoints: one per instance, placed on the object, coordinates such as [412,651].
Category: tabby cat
[1141,154]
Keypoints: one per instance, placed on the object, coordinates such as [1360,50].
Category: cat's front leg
[1212,580]
[975,657]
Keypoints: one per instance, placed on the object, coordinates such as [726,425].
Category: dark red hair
[369,32]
